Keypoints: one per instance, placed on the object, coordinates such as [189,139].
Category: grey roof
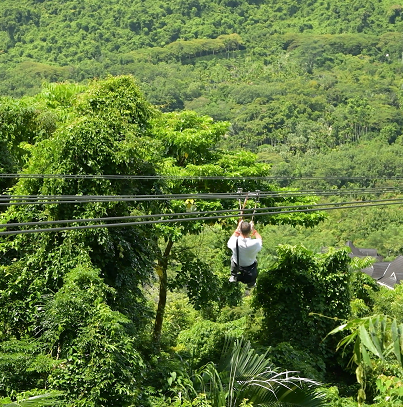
[359,252]
[393,273]
[379,269]
[368,270]
[376,270]
[355,251]
[386,273]
[369,252]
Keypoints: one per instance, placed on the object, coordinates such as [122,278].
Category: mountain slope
[300,76]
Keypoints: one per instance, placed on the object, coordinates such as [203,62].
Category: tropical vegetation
[131,132]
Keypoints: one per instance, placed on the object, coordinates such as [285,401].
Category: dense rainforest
[132,132]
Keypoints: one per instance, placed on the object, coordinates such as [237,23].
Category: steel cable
[16,200]
[194,177]
[303,208]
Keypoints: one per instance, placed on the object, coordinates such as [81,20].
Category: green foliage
[168,381]
[34,399]
[101,144]
[333,398]
[73,306]
[387,302]
[180,401]
[243,375]
[179,316]
[23,366]
[286,356]
[21,125]
[60,95]
[79,292]
[7,165]
[374,159]
[188,137]
[390,389]
[31,74]
[310,78]
[378,336]
[363,288]
[119,101]
[204,341]
[202,285]
[301,295]
[314,87]
[101,363]
[181,50]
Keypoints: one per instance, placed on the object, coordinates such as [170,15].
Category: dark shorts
[246,274]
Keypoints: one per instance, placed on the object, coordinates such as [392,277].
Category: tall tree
[105,268]
[191,151]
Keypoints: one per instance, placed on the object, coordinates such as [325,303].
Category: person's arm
[256,234]
[237,232]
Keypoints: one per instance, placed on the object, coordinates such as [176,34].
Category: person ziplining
[245,250]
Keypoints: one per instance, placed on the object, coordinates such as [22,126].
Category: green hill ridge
[292,77]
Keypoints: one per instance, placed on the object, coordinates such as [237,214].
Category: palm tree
[243,374]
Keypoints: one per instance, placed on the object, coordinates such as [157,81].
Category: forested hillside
[305,76]
[131,134]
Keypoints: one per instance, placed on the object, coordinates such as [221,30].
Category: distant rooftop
[360,252]
[387,274]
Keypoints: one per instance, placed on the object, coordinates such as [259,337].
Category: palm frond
[48,399]
[245,374]
[376,335]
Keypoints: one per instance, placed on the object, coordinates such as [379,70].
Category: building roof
[393,274]
[376,270]
[385,273]
[360,252]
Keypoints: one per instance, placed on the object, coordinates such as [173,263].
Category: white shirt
[248,249]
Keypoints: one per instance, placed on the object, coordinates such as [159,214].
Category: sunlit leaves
[188,137]
[58,286]
[374,337]
[314,285]
[117,100]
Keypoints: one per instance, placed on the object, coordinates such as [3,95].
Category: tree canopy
[289,98]
[79,291]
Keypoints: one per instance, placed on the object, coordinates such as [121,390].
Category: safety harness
[247,274]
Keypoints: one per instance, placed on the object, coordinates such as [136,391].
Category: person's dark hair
[245,228]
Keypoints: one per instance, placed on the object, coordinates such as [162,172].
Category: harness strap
[237,253]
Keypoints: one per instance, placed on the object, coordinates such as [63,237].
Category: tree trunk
[162,267]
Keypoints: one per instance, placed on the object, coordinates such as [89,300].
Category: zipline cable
[253,210]
[16,200]
[126,224]
[195,177]
[197,194]
[108,225]
[100,198]
[159,215]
